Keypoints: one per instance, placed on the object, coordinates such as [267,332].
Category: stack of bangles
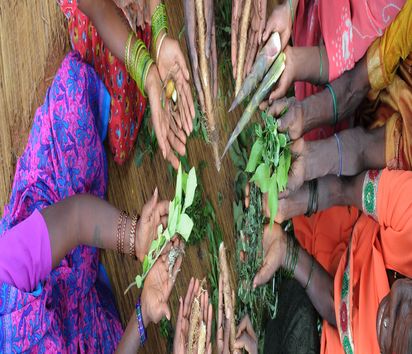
[291,258]
[313,198]
[159,24]
[137,61]
[121,234]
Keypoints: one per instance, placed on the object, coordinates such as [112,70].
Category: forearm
[319,288]
[82,220]
[350,89]
[308,67]
[110,23]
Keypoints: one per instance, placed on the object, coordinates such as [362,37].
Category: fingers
[179,316]
[180,59]
[253,48]
[209,325]
[246,325]
[280,90]
[165,310]
[245,341]
[270,26]
[189,297]
[176,142]
[280,106]
[263,9]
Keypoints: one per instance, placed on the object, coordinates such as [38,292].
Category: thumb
[270,27]
[262,276]
[180,59]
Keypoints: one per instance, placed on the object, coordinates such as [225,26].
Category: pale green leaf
[191,188]
[178,195]
[145,265]
[262,177]
[255,155]
[273,198]
[139,281]
[282,174]
[160,227]
[172,221]
[282,140]
[185,226]
[154,245]
[167,235]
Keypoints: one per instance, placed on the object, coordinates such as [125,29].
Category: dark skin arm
[317,110]
[361,149]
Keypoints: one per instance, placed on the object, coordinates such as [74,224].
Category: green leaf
[172,221]
[139,281]
[155,244]
[255,155]
[145,265]
[282,140]
[185,226]
[273,198]
[178,195]
[191,188]
[262,177]
[282,174]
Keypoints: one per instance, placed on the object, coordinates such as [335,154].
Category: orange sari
[343,235]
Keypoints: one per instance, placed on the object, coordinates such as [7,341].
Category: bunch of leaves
[179,222]
[167,332]
[261,302]
[147,141]
[269,161]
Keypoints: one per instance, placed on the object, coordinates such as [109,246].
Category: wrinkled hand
[172,64]
[286,79]
[293,120]
[154,212]
[274,249]
[246,337]
[157,288]
[183,319]
[279,21]
[257,26]
[170,137]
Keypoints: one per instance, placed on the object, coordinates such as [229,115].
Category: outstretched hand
[154,212]
[157,288]
[172,65]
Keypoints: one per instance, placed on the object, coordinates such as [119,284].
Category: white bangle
[160,46]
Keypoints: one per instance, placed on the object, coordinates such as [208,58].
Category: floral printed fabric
[128,105]
[64,156]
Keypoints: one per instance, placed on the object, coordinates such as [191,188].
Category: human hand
[274,250]
[246,337]
[170,137]
[172,65]
[183,320]
[154,212]
[286,79]
[157,288]
[257,26]
[279,21]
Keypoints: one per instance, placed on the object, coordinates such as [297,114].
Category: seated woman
[51,296]
[100,33]
[350,264]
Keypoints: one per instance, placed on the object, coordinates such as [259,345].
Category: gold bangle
[124,232]
[127,50]
[132,237]
[119,232]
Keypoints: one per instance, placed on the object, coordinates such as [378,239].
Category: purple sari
[70,311]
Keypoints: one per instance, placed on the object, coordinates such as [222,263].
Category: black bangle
[310,274]
[313,198]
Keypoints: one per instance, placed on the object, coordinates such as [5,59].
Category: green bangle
[291,11]
[335,104]
[127,50]
[139,62]
[320,65]
[159,22]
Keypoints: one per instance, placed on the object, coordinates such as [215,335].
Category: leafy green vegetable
[269,161]
[178,222]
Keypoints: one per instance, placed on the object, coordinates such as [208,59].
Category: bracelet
[127,50]
[310,274]
[291,11]
[320,65]
[291,258]
[160,46]
[132,237]
[123,232]
[139,317]
[338,142]
[119,232]
[335,104]
[139,64]
[159,22]
[313,198]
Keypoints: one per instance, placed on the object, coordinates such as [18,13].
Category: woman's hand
[182,324]
[170,137]
[153,213]
[274,249]
[279,21]
[246,337]
[157,288]
[172,65]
